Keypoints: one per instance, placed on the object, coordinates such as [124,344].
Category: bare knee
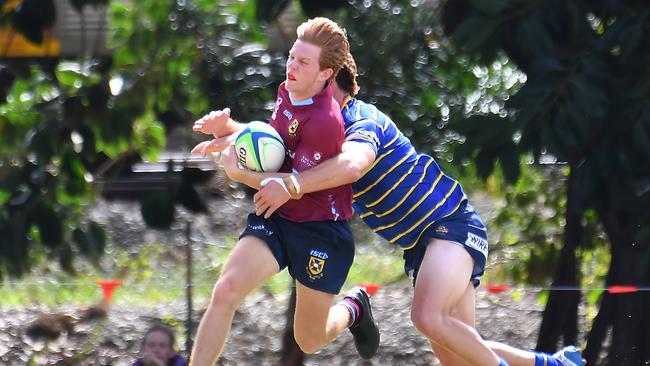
[308,343]
[430,322]
[226,295]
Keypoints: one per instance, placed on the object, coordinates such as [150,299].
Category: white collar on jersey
[298,103]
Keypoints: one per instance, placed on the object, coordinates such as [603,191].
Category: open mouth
[291,77]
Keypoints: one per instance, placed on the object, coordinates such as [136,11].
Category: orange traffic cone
[108,287]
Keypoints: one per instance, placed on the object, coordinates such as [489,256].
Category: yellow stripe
[366,214]
[391,189]
[378,160]
[433,187]
[391,141]
[427,215]
[426,227]
[385,174]
[406,196]
[345,102]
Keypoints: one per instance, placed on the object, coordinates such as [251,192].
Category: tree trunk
[560,317]
[599,329]
[291,353]
[628,313]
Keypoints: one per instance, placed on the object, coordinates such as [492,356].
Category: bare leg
[442,281]
[317,322]
[464,312]
[248,266]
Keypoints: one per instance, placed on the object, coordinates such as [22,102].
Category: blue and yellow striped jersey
[403,192]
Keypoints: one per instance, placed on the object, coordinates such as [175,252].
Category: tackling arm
[345,168]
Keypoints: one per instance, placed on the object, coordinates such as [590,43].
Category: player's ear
[326,74]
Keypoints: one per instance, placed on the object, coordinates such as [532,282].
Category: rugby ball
[260,148]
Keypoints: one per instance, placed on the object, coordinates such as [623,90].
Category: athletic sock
[502,362]
[353,309]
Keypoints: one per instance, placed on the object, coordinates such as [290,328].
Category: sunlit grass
[154,273]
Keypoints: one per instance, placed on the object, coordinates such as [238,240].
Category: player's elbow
[354,169]
[355,173]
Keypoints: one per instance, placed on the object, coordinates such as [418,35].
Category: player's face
[304,76]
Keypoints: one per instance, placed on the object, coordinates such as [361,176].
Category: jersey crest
[293,127]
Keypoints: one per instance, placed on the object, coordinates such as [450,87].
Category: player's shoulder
[360,110]
[282,96]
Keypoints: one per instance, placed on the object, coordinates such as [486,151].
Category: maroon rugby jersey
[313,132]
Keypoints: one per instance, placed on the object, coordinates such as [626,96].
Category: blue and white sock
[544,359]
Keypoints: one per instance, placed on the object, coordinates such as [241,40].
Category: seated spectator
[157,348]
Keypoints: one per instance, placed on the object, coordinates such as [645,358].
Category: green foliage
[410,61]
[527,230]
[585,102]
[62,120]
[572,53]
[269,10]
[47,155]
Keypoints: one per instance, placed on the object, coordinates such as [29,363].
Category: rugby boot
[364,330]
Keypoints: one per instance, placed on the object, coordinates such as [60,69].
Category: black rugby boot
[364,330]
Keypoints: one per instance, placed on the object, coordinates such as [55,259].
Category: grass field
[157,274]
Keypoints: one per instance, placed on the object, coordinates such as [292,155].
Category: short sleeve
[365,131]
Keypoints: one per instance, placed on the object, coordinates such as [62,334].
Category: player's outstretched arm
[216,145]
[345,168]
[218,124]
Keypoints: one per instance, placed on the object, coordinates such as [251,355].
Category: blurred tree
[585,103]
[269,10]
[65,123]
[175,61]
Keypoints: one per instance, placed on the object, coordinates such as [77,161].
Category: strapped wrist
[278,180]
[296,185]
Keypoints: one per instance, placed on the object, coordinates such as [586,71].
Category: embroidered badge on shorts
[316,264]
[442,229]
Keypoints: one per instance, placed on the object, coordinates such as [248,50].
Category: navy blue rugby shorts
[318,254]
[464,227]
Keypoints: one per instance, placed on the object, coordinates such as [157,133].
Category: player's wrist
[277,180]
[294,181]
[289,183]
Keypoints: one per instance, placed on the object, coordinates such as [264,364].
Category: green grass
[157,274]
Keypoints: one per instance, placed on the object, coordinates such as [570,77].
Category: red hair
[332,40]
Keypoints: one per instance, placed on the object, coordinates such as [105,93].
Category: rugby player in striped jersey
[404,196]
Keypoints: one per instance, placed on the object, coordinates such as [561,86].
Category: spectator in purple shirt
[157,348]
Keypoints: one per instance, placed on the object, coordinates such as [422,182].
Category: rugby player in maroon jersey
[311,236]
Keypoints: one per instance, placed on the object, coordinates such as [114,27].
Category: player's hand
[213,123]
[149,359]
[215,145]
[230,163]
[269,198]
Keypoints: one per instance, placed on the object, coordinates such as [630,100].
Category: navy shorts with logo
[318,254]
[463,227]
